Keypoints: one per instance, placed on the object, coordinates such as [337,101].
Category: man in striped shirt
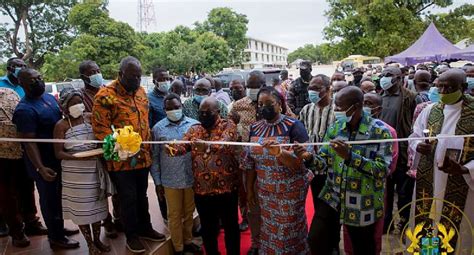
[317,116]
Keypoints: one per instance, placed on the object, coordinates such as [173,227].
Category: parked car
[242,75]
[56,88]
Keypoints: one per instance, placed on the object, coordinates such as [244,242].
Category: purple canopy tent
[464,54]
[431,46]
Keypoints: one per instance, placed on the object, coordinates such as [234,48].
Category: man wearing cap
[298,93]
[398,105]
[357,73]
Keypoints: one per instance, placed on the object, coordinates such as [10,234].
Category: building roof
[255,39]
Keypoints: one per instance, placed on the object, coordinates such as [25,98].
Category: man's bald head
[129,61]
[453,77]
[209,104]
[422,80]
[367,86]
[256,79]
[177,87]
[350,95]
[203,83]
[374,102]
[374,98]
[338,85]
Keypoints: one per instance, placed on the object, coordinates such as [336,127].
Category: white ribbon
[23,140]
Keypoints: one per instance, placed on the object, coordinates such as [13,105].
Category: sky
[290,24]
[286,23]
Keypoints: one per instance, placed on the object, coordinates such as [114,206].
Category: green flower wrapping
[109,148]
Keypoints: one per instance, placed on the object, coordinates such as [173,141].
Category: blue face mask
[17,71]
[164,86]
[342,115]
[313,96]
[96,80]
[433,95]
[199,98]
[386,83]
[470,82]
[367,110]
[175,115]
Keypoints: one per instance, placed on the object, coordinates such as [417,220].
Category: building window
[256,45]
[262,48]
[247,57]
[268,57]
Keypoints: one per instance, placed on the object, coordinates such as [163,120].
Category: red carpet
[245,236]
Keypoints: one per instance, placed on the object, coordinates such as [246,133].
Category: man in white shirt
[445,169]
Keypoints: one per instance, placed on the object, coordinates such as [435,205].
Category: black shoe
[252,251]
[244,226]
[134,245]
[118,225]
[70,232]
[110,231]
[35,228]
[20,241]
[197,231]
[4,230]
[192,247]
[65,243]
[153,235]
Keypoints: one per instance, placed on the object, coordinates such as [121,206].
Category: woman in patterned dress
[282,179]
[83,200]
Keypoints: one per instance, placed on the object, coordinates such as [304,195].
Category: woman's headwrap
[66,95]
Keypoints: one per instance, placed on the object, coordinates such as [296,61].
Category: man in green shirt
[354,189]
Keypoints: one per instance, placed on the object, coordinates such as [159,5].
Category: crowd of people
[353,185]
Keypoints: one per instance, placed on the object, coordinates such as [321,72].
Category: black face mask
[37,88]
[268,112]
[207,120]
[357,79]
[130,85]
[236,95]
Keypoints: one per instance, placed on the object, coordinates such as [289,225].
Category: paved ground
[40,245]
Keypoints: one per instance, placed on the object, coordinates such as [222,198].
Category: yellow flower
[352,216]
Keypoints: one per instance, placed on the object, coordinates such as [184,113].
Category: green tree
[229,25]
[186,57]
[457,24]
[100,38]
[165,50]
[315,53]
[386,27]
[216,49]
[36,29]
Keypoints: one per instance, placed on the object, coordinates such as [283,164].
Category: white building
[260,54]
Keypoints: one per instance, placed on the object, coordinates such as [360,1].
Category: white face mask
[76,110]
[252,94]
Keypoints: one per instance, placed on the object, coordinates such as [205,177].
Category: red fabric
[245,236]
